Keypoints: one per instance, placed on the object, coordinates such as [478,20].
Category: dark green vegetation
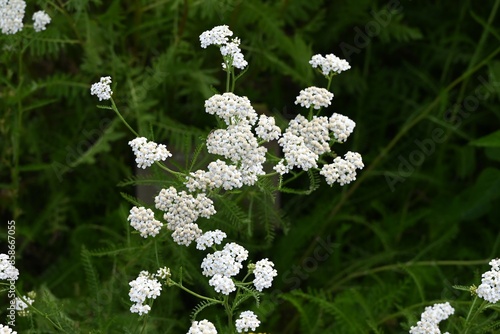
[424,90]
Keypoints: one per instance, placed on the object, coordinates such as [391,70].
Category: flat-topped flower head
[6,330]
[267,129]
[7,270]
[222,284]
[247,321]
[145,286]
[147,152]
[216,36]
[22,306]
[315,97]
[430,319]
[489,289]
[11,16]
[233,109]
[202,327]
[102,89]
[329,64]
[296,153]
[264,274]
[219,175]
[143,220]
[40,20]
[342,171]
[220,263]
[209,238]
[341,126]
[181,212]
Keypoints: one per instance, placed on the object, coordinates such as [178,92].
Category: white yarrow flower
[187,233]
[430,319]
[202,327]
[143,220]
[219,175]
[341,126]
[264,274]
[342,171]
[216,36]
[489,289]
[7,270]
[220,263]
[21,306]
[315,97]
[329,64]
[6,330]
[11,16]
[233,109]
[222,284]
[296,153]
[40,20]
[147,152]
[143,287]
[247,320]
[208,239]
[181,211]
[102,89]
[267,129]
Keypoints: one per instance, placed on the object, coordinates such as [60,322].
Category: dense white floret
[202,327]
[40,20]
[329,64]
[247,321]
[264,274]
[489,289]
[314,97]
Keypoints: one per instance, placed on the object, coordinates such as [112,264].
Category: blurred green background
[424,91]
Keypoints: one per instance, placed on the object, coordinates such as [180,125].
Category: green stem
[115,109]
[162,166]
[469,315]
[229,311]
[228,77]
[37,311]
[170,281]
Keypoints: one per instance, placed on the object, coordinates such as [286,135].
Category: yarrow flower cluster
[247,320]
[21,306]
[7,270]
[216,36]
[303,142]
[341,170]
[143,287]
[238,144]
[222,265]
[264,274]
[230,49]
[143,220]
[341,126]
[219,175]
[267,129]
[40,20]
[208,239]
[147,152]
[181,211]
[102,89]
[489,289]
[6,330]
[233,109]
[11,16]
[329,64]
[430,319]
[314,97]
[202,327]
